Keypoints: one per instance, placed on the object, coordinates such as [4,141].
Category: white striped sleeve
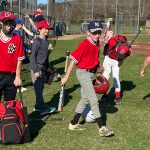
[71,57]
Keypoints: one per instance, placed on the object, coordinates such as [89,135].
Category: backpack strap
[118,41]
[109,51]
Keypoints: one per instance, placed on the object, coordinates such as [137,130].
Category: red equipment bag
[119,44]
[14,126]
[11,122]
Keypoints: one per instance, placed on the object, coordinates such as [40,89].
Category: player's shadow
[126,86]
[67,97]
[146,96]
[35,126]
[109,106]
[37,122]
[57,61]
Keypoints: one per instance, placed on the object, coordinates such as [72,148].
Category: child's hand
[64,80]
[37,74]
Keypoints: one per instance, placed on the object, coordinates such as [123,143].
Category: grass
[130,121]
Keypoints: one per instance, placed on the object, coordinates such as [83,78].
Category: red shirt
[86,56]
[10,52]
[113,55]
[148,53]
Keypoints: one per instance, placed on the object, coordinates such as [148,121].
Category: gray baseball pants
[88,95]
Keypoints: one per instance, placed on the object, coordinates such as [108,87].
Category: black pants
[7,86]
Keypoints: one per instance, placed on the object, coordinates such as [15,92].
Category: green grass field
[129,121]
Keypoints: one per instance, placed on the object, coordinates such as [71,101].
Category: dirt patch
[71,37]
[138,47]
[141,47]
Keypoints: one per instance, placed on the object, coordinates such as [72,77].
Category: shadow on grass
[35,126]
[146,96]
[109,106]
[67,97]
[57,61]
[36,122]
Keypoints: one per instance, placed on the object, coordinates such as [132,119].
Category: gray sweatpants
[88,95]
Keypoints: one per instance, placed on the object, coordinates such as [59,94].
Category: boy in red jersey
[86,58]
[11,56]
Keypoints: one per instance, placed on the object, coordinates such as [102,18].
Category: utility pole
[139,9]
[92,8]
[105,9]
[66,11]
[47,7]
[116,17]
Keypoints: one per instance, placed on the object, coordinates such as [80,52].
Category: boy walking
[86,58]
[39,65]
[11,56]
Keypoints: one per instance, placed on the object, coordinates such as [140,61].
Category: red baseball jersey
[11,50]
[148,53]
[86,56]
[113,54]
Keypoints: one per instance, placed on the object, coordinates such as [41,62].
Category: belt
[91,70]
[7,73]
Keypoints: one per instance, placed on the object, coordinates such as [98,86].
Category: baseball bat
[135,37]
[62,93]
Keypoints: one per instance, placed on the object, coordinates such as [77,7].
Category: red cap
[44,24]
[6,15]
[37,13]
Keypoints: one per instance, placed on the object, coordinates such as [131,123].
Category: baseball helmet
[44,24]
[38,16]
[101,85]
[6,15]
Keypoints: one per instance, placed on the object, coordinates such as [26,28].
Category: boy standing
[39,65]
[11,56]
[86,58]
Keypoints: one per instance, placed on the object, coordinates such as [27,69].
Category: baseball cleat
[76,127]
[105,132]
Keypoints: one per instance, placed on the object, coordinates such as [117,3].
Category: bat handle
[67,53]
[60,109]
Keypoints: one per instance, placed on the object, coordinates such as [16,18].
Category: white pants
[112,64]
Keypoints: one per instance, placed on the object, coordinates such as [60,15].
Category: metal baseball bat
[62,93]
[135,37]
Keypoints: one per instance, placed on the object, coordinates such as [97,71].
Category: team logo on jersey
[11,48]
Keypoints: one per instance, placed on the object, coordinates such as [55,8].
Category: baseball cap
[19,21]
[6,15]
[37,13]
[38,16]
[44,24]
[95,26]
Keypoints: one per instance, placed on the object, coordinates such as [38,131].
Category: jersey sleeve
[77,54]
[33,62]
[21,54]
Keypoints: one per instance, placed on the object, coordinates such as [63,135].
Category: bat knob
[67,53]
[60,109]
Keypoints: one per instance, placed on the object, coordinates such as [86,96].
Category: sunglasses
[10,23]
[97,33]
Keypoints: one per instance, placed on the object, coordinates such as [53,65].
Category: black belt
[91,70]
[7,73]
